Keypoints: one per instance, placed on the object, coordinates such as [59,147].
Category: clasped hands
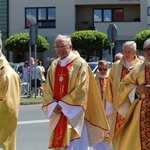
[57,109]
[143,88]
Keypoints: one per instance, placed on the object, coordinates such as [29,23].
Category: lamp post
[33,40]
[112,36]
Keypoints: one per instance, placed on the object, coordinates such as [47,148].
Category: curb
[30,103]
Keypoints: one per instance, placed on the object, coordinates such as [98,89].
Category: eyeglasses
[101,69]
[59,47]
[146,49]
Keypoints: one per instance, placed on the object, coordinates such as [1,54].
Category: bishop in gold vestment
[136,130]
[71,101]
[10,90]
[118,71]
[81,94]
[133,103]
[101,81]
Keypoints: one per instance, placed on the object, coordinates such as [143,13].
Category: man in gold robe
[133,103]
[101,78]
[118,71]
[101,81]
[10,90]
[71,101]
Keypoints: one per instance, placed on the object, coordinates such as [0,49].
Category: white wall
[65,20]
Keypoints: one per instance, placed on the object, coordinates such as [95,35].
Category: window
[148,11]
[45,17]
[97,15]
[107,15]
[118,15]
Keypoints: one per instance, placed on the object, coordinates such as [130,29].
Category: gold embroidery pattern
[119,118]
[119,122]
[62,82]
[145,116]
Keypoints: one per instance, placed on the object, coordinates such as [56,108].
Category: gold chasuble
[135,133]
[74,85]
[117,72]
[10,90]
[119,118]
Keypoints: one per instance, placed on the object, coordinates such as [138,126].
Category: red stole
[60,90]
[102,82]
[145,115]
[119,118]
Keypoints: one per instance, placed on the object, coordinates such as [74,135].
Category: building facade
[4,21]
[64,17]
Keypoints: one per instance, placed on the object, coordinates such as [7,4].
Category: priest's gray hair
[103,62]
[131,44]
[63,37]
[146,43]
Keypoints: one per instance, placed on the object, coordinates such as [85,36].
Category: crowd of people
[38,73]
[105,111]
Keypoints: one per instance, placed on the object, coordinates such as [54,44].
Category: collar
[64,61]
[105,76]
[98,75]
[129,64]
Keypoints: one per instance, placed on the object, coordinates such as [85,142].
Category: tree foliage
[141,37]
[20,42]
[89,40]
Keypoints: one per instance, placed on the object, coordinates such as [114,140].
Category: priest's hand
[57,109]
[143,88]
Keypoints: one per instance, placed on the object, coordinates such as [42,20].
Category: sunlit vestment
[81,104]
[117,73]
[101,82]
[135,134]
[10,90]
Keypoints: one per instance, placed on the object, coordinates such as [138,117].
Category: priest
[134,105]
[10,90]
[71,101]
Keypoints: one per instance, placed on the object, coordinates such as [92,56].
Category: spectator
[71,101]
[43,70]
[26,77]
[43,76]
[32,62]
[36,75]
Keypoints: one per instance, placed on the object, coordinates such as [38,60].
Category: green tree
[141,37]
[20,42]
[90,40]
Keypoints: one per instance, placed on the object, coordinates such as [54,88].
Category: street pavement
[33,128]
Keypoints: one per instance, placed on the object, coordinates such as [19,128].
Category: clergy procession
[106,111]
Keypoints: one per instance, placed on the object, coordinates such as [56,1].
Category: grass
[31,100]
